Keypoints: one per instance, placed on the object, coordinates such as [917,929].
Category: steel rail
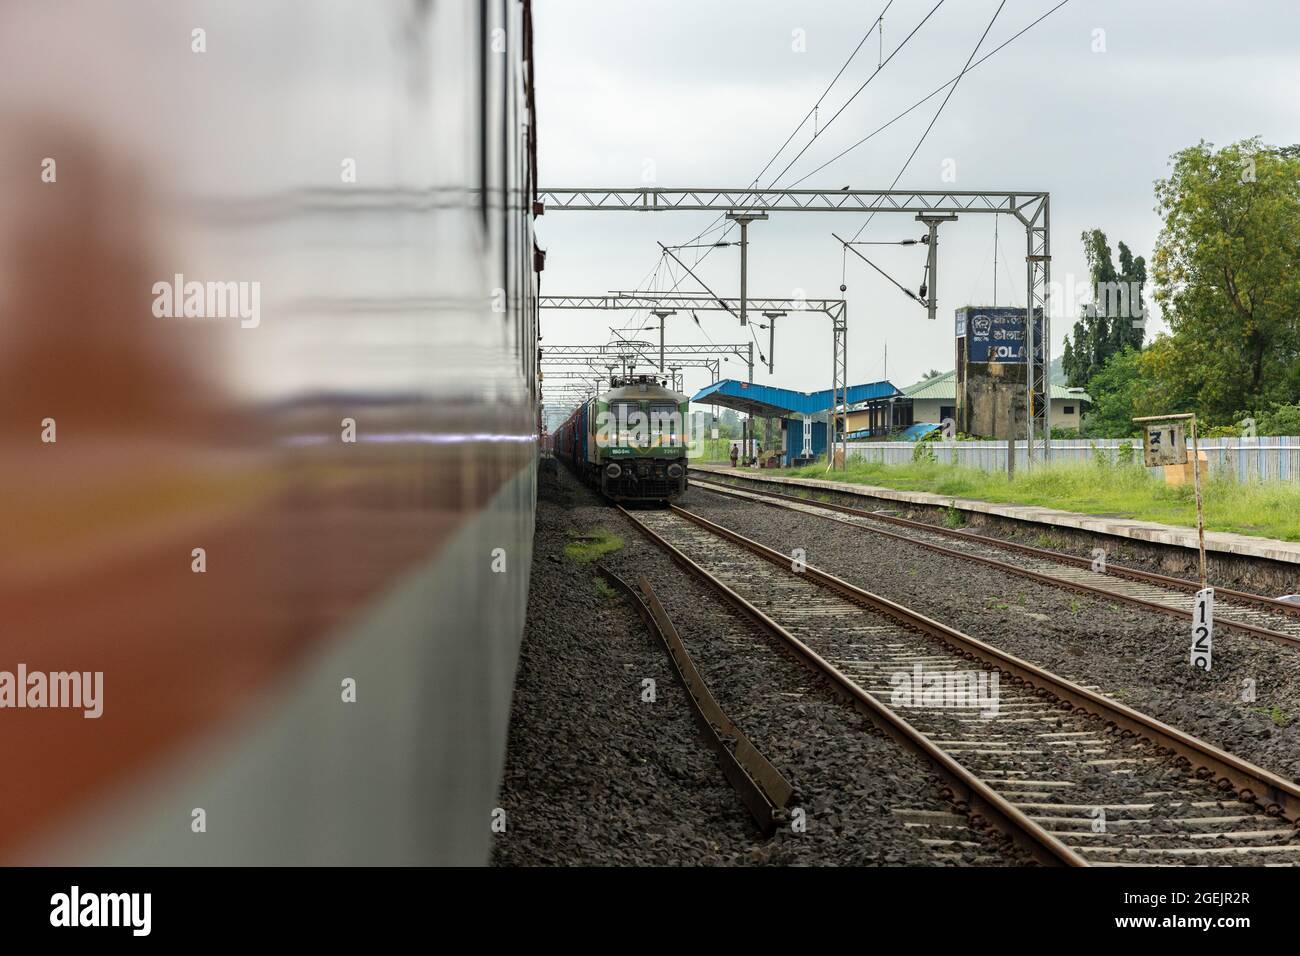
[984,803]
[1128,573]
[761,787]
[1274,794]
[1136,574]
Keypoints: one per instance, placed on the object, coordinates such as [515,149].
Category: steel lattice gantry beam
[613,349]
[583,380]
[1030,207]
[581,363]
[835,309]
[595,361]
[654,199]
[571,363]
[686,302]
[616,353]
[585,364]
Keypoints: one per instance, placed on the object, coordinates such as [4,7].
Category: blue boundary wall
[1266,458]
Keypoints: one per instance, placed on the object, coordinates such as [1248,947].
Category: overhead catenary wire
[856,92]
[923,298]
[877,25]
[950,85]
[983,262]
[1006,265]
[929,96]
[813,112]
[934,119]
[720,220]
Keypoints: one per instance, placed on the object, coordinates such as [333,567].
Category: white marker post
[1203,629]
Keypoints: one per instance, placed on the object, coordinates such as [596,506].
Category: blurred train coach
[629,441]
[269,408]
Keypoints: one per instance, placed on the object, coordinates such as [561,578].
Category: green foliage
[1276,714]
[604,590]
[586,548]
[1279,420]
[1125,455]
[1106,325]
[952,518]
[1227,273]
[1220,431]
[1119,394]
[923,453]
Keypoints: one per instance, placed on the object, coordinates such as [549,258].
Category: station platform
[1221,542]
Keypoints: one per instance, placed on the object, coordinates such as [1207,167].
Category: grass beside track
[588,547]
[1269,510]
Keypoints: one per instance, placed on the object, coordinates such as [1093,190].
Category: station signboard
[997,336]
[1165,444]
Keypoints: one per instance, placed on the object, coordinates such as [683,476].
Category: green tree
[1279,420]
[1107,324]
[1227,274]
[933,373]
[1119,393]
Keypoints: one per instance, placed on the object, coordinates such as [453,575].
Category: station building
[876,410]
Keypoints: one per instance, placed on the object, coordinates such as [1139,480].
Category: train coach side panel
[267,452]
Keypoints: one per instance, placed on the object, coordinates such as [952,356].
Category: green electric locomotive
[629,441]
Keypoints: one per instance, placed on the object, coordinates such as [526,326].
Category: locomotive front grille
[643,480]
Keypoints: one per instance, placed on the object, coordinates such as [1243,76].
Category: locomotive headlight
[675,470]
[613,470]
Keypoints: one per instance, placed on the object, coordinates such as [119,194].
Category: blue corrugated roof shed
[768,400]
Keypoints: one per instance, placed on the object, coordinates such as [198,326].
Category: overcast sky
[703,92]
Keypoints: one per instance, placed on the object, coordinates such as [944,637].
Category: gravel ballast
[1138,656]
[594,775]
[1257,575]
[1063,767]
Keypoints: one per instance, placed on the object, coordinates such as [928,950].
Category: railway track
[1253,614]
[761,787]
[1074,777]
